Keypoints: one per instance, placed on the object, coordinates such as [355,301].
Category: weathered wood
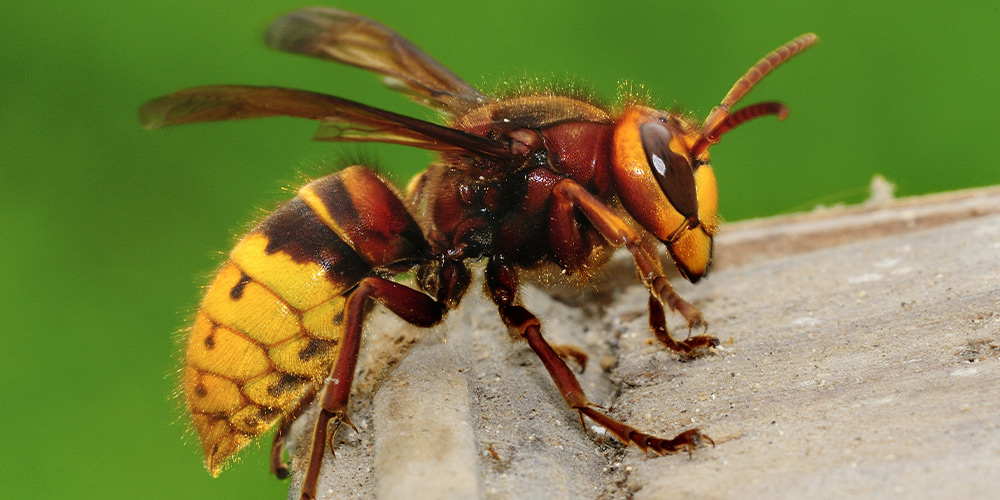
[860,356]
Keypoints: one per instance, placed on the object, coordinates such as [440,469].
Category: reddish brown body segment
[537,180]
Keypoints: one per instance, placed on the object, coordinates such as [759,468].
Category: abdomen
[270,323]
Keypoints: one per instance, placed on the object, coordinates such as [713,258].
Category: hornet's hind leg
[411,305]
[278,465]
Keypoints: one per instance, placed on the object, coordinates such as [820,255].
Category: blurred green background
[110,230]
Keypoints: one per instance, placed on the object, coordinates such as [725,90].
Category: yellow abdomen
[267,329]
[270,325]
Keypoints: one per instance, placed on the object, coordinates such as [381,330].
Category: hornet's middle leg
[502,284]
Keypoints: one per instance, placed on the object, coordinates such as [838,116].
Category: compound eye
[672,171]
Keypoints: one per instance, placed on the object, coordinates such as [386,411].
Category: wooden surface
[860,357]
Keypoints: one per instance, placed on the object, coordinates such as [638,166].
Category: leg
[411,305]
[566,351]
[501,281]
[278,465]
[658,323]
[568,242]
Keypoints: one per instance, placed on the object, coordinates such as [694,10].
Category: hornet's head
[662,170]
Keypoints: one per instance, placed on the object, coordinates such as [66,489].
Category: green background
[109,230]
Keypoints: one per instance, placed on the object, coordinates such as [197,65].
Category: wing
[343,120]
[348,38]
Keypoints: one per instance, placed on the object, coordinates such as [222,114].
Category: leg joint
[519,317]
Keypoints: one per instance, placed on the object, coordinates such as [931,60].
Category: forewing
[348,38]
[343,119]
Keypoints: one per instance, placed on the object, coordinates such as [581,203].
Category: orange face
[669,190]
[661,167]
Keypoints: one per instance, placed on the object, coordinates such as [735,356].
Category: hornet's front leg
[570,242]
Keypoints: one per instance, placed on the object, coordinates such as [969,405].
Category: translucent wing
[348,38]
[343,120]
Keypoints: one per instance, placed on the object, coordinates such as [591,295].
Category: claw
[695,322]
[699,341]
[345,419]
[658,324]
[333,425]
[282,471]
[685,441]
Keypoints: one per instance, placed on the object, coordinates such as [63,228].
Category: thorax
[475,207]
